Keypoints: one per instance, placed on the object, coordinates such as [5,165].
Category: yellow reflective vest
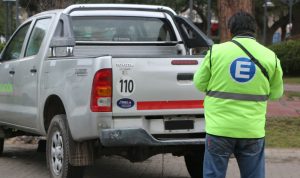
[236,89]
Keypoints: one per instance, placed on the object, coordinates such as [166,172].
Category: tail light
[101,97]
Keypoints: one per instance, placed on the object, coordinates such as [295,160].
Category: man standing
[238,76]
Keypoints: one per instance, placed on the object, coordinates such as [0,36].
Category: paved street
[23,161]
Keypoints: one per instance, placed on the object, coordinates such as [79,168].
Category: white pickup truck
[104,79]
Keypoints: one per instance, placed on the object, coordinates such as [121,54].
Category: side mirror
[192,36]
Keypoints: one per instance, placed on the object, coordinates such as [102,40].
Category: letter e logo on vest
[242,70]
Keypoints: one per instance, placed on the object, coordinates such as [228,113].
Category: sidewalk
[280,163]
[285,107]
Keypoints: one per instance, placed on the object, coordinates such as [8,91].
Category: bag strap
[210,57]
[253,59]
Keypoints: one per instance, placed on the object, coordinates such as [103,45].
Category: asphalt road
[23,161]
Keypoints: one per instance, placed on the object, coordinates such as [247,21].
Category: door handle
[33,70]
[12,72]
[185,76]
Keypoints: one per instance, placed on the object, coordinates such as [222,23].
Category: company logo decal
[125,103]
[242,70]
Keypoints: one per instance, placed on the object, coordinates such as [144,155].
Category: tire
[58,150]
[194,163]
[1,145]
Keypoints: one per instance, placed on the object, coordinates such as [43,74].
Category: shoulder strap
[253,59]
[210,56]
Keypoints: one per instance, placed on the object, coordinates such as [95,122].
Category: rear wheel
[58,150]
[194,163]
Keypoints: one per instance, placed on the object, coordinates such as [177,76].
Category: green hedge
[289,55]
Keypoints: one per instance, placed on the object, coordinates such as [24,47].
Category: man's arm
[202,75]
[276,83]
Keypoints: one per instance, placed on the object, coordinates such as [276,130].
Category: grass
[291,80]
[283,132]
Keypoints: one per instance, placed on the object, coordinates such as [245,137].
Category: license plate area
[179,124]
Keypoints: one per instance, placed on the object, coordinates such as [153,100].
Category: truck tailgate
[155,86]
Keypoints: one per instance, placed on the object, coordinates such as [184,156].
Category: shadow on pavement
[24,161]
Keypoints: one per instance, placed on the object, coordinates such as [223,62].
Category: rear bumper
[140,137]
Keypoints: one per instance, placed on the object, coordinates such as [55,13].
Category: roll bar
[133,7]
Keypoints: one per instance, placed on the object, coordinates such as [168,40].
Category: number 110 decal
[125,86]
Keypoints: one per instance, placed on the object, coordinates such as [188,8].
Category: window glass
[122,29]
[14,47]
[37,36]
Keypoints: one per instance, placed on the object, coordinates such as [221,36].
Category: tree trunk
[283,33]
[296,17]
[282,22]
[226,9]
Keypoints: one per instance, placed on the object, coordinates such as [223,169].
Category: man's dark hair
[242,23]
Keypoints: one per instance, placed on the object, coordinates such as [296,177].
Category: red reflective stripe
[156,105]
[184,62]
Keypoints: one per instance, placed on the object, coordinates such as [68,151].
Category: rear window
[122,29]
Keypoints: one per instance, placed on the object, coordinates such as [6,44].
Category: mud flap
[82,153]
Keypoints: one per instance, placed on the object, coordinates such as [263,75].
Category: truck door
[9,60]
[27,72]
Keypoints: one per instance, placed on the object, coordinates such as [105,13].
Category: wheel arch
[53,106]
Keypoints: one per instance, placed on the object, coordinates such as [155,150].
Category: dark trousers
[249,154]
